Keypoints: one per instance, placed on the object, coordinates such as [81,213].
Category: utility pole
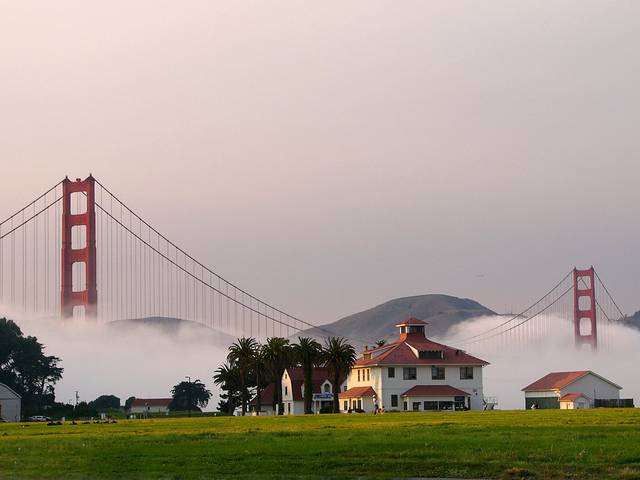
[189,394]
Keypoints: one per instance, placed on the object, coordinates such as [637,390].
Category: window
[430,354]
[358,375]
[346,404]
[391,372]
[288,407]
[367,356]
[394,400]
[368,374]
[286,390]
[416,406]
[404,405]
[437,373]
[359,404]
[327,388]
[409,373]
[466,373]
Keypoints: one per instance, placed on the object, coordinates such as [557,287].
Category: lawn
[530,444]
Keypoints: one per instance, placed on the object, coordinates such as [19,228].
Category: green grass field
[531,444]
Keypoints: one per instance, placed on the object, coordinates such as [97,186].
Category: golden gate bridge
[77,250]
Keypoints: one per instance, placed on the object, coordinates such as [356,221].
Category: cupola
[412,327]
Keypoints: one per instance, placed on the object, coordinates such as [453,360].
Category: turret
[412,328]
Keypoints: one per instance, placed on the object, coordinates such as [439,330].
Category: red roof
[400,353]
[434,391]
[570,397]
[556,380]
[412,321]
[319,376]
[266,395]
[357,392]
[151,402]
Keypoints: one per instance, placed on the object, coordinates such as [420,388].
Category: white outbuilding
[10,404]
[573,390]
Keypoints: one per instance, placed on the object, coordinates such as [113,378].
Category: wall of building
[592,387]
[150,409]
[10,404]
[385,386]
[578,403]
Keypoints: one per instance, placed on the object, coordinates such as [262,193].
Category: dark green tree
[228,378]
[25,368]
[338,356]
[128,403]
[105,402]
[278,355]
[308,353]
[242,356]
[189,396]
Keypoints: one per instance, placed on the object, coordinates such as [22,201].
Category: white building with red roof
[150,405]
[570,390]
[293,390]
[414,374]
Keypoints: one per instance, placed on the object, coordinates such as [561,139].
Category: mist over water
[515,364]
[141,361]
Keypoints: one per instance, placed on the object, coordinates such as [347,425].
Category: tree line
[250,366]
[26,369]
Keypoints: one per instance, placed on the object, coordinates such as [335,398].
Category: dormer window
[367,356]
[415,329]
[430,354]
[327,388]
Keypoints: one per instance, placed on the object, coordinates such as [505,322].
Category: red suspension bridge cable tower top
[86,255]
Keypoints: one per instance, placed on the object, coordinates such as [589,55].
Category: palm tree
[278,355]
[258,367]
[338,356]
[228,377]
[241,355]
[308,353]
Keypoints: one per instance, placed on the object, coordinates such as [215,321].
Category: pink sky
[329,156]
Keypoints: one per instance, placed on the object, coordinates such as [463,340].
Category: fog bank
[139,361]
[516,365]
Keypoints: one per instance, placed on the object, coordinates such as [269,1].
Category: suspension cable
[521,314]
[521,323]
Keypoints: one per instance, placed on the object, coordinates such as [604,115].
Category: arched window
[327,388]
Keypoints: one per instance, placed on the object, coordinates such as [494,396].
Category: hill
[633,321]
[176,328]
[440,311]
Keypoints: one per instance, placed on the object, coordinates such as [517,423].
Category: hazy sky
[329,156]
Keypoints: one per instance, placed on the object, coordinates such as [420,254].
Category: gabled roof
[558,380]
[319,376]
[401,353]
[434,391]
[151,402]
[11,390]
[266,395]
[570,397]
[357,392]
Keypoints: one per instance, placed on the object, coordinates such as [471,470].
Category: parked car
[39,418]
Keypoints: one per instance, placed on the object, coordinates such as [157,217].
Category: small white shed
[10,404]
[574,401]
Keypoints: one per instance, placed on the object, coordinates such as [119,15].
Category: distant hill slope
[441,311]
[633,321]
[176,328]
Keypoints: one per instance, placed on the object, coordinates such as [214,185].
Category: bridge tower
[584,307]
[86,255]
